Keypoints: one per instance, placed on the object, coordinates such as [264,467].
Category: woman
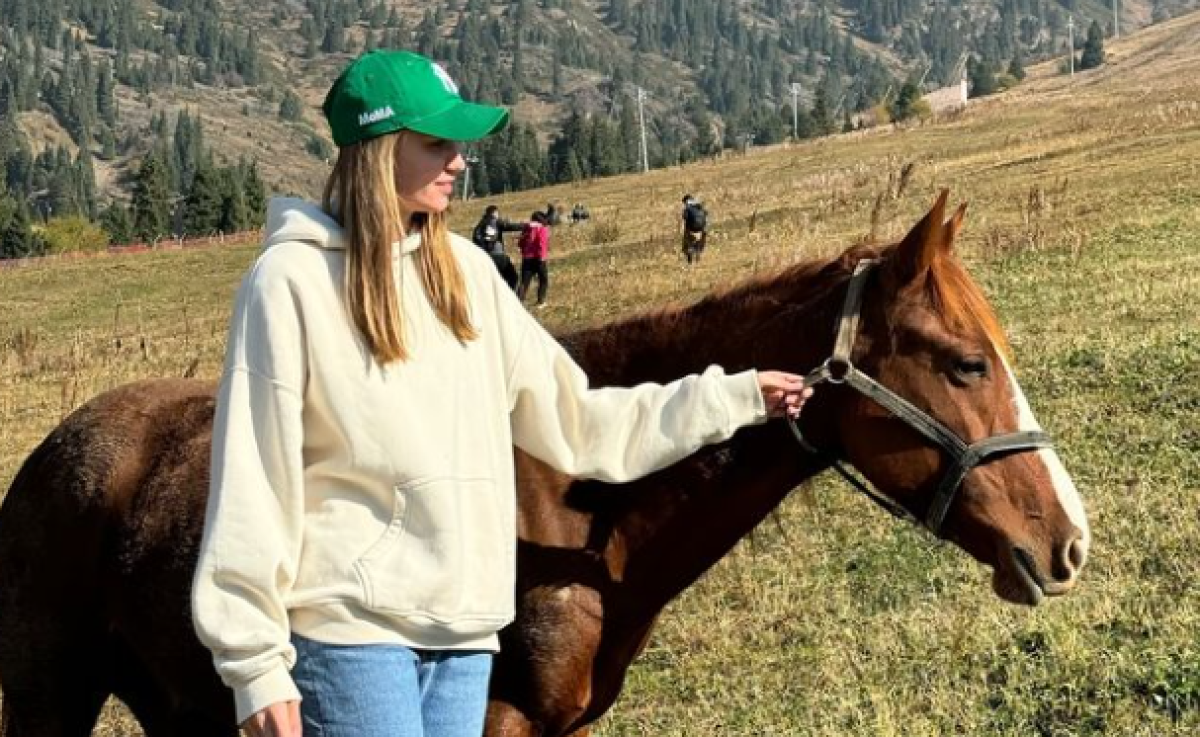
[535,249]
[359,545]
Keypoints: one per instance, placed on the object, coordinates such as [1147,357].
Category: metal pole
[466,191]
[1071,41]
[641,96]
[1116,22]
[795,113]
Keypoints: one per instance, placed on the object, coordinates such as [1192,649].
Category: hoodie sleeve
[254,520]
[619,434]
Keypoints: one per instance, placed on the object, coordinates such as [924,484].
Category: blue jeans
[390,690]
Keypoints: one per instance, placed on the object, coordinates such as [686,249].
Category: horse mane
[771,290]
[949,289]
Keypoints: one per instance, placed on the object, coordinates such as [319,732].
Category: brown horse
[99,532]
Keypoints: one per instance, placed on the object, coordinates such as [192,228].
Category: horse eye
[971,367]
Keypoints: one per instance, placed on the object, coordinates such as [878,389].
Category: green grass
[1083,227]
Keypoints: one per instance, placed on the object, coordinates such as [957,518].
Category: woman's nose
[457,160]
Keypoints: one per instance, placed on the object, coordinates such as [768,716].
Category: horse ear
[928,238]
[955,225]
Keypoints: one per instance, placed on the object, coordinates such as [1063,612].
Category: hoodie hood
[291,219]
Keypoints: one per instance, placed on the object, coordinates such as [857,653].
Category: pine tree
[150,206]
[556,80]
[255,193]
[1016,67]
[291,108]
[564,150]
[705,143]
[18,240]
[106,104]
[235,216]
[8,207]
[1093,48]
[902,107]
[62,199]
[202,207]
[85,178]
[821,118]
[982,77]
[116,223]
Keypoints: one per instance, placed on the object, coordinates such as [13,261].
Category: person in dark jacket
[695,228]
[489,235]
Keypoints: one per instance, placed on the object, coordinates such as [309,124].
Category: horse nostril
[1068,563]
[1076,553]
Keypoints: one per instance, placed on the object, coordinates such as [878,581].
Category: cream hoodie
[357,503]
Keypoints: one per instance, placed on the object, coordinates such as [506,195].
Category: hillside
[1084,228]
[711,68]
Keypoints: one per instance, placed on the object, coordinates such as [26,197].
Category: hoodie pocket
[448,553]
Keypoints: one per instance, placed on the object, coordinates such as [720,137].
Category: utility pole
[1116,22]
[641,98]
[1071,42]
[795,109]
[471,160]
[747,139]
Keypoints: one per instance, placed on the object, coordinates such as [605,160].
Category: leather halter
[838,369]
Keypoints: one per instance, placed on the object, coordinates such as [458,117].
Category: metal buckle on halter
[837,369]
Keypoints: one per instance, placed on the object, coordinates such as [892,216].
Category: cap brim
[466,121]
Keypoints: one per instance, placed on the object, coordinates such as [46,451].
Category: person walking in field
[695,229]
[579,213]
[489,235]
[535,249]
[358,555]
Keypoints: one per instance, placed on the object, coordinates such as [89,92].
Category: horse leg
[506,720]
[54,645]
[157,713]
[185,724]
[63,701]
[55,668]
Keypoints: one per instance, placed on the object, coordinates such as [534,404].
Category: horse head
[923,401]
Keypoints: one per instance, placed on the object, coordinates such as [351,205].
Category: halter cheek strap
[838,369]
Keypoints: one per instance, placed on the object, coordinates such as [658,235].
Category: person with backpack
[535,247]
[695,228]
[489,235]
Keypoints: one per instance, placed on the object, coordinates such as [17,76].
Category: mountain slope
[233,62]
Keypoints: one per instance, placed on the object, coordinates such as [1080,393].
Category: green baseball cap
[384,91]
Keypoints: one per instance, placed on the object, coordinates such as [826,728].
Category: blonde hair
[361,195]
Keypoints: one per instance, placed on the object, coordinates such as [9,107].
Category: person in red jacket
[535,248]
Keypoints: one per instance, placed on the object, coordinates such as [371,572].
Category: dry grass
[1083,226]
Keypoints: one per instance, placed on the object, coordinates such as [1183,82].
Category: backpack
[695,218]
[487,232]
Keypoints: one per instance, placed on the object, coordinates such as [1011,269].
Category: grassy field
[1084,227]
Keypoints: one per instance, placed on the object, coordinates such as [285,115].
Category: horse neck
[671,527]
[732,330]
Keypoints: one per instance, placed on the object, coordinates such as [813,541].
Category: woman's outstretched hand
[784,394]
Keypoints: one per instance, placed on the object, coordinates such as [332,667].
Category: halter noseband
[838,369]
